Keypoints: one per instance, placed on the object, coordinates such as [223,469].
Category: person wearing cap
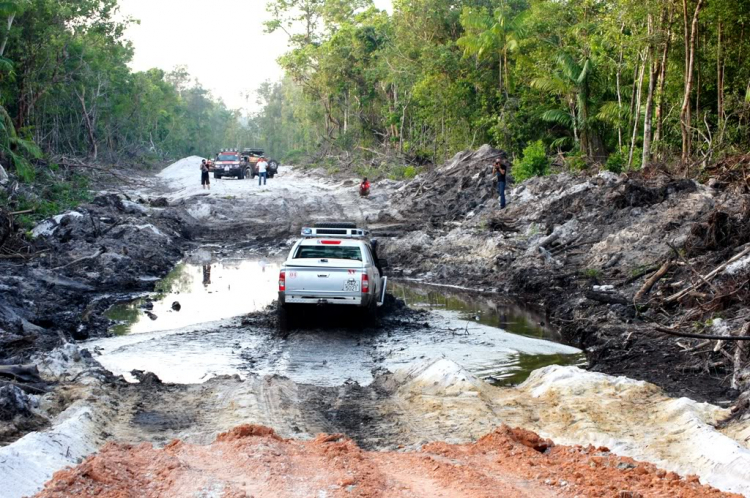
[205,180]
[262,170]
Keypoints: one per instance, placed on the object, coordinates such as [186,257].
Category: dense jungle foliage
[619,82]
[66,90]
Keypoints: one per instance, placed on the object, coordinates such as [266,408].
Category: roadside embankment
[610,258]
[436,402]
[411,414]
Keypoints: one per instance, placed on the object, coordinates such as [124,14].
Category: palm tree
[486,35]
[571,82]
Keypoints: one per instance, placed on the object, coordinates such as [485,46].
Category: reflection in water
[472,306]
[514,367]
[206,292]
[206,275]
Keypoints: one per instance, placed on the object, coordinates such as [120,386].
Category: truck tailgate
[337,279]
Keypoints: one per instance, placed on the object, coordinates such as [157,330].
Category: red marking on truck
[330,242]
[351,272]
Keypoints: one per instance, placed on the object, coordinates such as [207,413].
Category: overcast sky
[220,41]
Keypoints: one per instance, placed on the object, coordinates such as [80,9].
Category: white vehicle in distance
[333,264]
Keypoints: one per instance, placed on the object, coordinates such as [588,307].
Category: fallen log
[652,280]
[606,297]
[23,373]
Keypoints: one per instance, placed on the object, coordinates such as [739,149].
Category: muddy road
[150,318]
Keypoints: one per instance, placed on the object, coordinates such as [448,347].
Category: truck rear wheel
[285,316]
[370,314]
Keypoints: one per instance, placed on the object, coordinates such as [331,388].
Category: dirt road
[409,392]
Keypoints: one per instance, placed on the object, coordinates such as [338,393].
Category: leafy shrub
[533,163]
[592,273]
[616,162]
[576,162]
[402,172]
[370,172]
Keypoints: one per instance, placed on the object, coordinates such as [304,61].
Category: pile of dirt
[450,192]
[254,461]
[583,246]
[86,259]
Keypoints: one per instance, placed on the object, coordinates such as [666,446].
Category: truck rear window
[329,252]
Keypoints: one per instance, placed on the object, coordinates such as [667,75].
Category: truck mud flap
[382,292]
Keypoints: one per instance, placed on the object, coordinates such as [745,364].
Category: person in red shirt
[364,188]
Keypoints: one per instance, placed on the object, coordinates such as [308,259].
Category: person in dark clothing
[205,180]
[499,170]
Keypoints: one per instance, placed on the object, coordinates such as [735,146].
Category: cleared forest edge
[613,259]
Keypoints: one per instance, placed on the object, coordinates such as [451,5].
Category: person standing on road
[205,181]
[262,170]
[499,170]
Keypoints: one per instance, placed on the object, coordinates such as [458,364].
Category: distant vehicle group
[241,165]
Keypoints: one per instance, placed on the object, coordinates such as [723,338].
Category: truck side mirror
[383,263]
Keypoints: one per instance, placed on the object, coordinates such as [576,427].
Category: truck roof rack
[344,233]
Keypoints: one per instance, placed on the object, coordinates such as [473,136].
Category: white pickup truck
[333,263]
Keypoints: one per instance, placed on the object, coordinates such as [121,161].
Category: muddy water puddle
[200,290]
[477,311]
[205,335]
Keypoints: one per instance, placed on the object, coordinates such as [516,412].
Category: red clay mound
[254,461]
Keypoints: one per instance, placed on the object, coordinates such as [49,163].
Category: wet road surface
[209,336]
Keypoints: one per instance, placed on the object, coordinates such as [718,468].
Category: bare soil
[253,461]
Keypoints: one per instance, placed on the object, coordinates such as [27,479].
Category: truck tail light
[282,280]
[365,283]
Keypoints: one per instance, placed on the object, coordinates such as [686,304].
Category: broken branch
[93,256]
[652,280]
[708,277]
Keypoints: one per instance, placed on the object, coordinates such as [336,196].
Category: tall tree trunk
[663,79]
[690,38]
[637,117]
[500,74]
[719,81]
[618,76]
[507,76]
[652,75]
[89,124]
[7,34]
